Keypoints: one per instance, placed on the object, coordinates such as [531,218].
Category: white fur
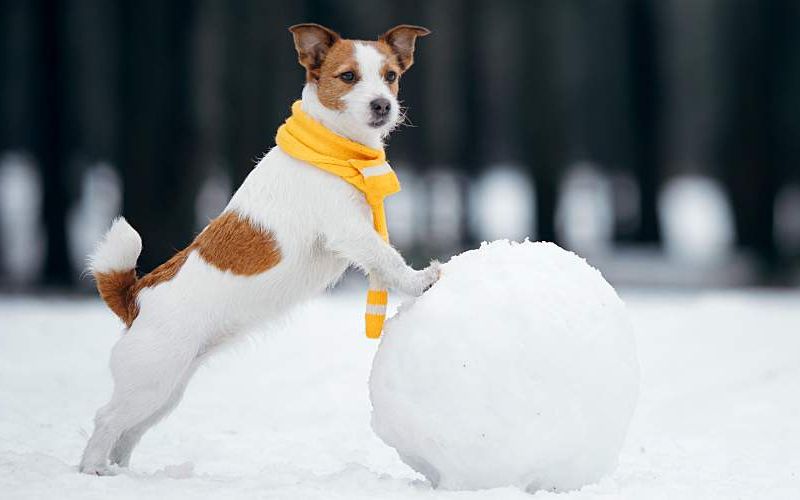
[119,249]
[352,121]
[322,225]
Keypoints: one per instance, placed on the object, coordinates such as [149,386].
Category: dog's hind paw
[98,470]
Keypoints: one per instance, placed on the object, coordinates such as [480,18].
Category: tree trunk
[157,139]
[51,144]
[646,102]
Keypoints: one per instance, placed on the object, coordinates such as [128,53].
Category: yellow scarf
[365,168]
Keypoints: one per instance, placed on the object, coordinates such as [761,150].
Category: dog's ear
[401,39]
[312,42]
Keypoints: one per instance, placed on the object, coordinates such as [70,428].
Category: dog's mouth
[378,122]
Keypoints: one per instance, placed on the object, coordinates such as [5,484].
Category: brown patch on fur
[325,55]
[119,289]
[164,272]
[312,42]
[229,243]
[339,59]
[402,40]
[115,289]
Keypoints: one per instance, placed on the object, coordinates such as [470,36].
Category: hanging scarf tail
[377,295]
[377,299]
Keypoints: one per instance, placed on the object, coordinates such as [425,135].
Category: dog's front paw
[427,277]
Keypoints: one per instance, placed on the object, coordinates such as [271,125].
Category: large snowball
[517,368]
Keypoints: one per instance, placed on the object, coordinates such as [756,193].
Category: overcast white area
[287,414]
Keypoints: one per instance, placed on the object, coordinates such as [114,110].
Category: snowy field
[287,414]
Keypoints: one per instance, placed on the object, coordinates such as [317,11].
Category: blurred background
[658,138]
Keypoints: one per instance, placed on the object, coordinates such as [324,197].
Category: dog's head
[357,81]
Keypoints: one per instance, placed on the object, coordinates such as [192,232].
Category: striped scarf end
[374,324]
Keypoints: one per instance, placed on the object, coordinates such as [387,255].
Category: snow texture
[518,368]
[287,415]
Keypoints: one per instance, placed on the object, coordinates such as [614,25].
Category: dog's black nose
[380,106]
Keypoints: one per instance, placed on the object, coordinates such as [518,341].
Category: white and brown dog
[289,232]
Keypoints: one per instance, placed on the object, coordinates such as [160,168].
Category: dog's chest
[286,197]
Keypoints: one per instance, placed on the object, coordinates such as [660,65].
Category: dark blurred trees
[761,139]
[33,115]
[646,100]
[170,91]
[158,139]
[543,128]
[52,145]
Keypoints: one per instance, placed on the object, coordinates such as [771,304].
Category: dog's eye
[348,76]
[390,76]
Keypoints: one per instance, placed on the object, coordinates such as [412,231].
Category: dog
[289,232]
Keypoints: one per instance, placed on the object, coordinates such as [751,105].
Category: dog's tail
[113,265]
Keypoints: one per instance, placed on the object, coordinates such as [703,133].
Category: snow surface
[288,415]
[517,368]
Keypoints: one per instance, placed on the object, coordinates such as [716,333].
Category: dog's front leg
[359,243]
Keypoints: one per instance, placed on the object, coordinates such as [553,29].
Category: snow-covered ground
[286,414]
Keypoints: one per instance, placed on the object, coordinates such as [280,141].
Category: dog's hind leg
[147,367]
[123,448]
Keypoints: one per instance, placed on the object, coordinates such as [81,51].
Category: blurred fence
[608,126]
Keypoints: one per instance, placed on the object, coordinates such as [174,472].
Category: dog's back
[244,265]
